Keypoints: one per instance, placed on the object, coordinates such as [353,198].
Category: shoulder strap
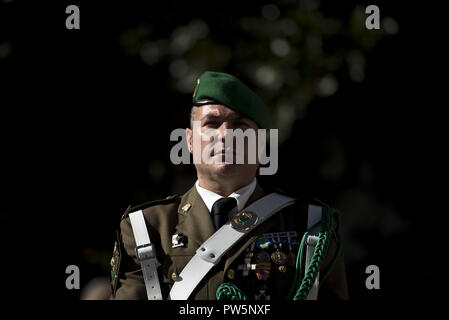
[211,251]
[146,254]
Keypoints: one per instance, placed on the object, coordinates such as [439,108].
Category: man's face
[211,129]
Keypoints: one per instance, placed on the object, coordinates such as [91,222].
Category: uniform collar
[195,220]
[241,195]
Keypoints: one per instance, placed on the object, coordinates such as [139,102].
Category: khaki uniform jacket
[169,216]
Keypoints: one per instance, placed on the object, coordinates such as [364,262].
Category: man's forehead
[217,110]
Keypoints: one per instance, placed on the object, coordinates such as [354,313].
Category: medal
[231,274]
[282,269]
[262,270]
[279,257]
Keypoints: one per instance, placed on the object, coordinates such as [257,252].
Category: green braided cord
[300,260]
[229,291]
[299,265]
[317,258]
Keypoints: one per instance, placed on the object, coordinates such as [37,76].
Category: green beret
[225,89]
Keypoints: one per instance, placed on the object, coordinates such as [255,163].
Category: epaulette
[148,204]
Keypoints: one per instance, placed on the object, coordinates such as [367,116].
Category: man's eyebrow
[220,117]
[211,116]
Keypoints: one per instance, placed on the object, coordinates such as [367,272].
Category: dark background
[86,117]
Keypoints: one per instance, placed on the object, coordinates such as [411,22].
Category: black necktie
[220,210]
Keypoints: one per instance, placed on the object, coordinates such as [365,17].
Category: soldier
[227,237]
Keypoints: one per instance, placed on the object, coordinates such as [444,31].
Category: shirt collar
[241,195]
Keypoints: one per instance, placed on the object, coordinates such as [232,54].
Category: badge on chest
[270,252]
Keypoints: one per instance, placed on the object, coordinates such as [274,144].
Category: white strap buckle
[145,252]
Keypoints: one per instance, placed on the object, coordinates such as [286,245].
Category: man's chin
[226,168]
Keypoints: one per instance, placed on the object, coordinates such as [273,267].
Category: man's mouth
[224,156]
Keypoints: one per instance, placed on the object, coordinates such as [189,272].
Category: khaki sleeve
[334,286]
[130,285]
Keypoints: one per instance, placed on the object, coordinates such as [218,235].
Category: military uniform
[262,264]
[188,215]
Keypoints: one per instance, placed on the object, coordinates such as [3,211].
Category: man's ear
[189,136]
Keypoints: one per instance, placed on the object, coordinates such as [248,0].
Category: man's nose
[223,130]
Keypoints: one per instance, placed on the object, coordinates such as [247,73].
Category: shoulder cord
[229,291]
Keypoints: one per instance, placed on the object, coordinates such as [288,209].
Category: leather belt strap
[211,251]
[146,254]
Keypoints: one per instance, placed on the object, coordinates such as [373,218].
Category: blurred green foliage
[290,52]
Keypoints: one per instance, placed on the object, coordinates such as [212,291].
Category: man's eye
[211,124]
